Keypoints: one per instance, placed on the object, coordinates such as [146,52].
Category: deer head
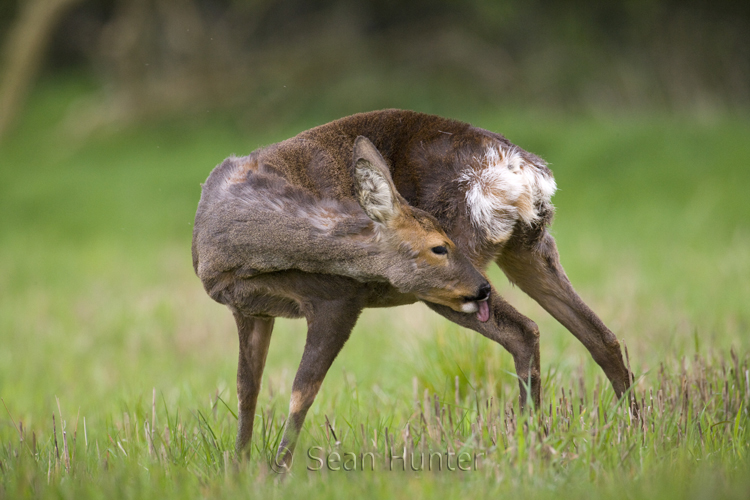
[425,262]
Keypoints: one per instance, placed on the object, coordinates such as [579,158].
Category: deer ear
[375,190]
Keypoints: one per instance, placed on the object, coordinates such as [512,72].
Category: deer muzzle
[479,303]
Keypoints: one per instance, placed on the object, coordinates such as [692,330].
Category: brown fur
[277,234]
[327,270]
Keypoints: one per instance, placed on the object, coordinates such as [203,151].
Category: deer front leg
[255,336]
[329,325]
[538,272]
[515,332]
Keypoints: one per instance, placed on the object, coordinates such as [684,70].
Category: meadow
[117,372]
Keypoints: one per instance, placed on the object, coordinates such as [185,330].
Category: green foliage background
[639,107]
[100,308]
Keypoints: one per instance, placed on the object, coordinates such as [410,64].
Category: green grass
[99,309]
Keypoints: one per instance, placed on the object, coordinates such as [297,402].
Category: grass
[104,326]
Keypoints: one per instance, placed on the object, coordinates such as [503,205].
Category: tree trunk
[24,53]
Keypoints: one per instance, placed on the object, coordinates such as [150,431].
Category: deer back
[304,205]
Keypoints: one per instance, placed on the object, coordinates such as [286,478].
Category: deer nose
[484,293]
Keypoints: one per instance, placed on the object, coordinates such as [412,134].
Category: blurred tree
[265,58]
[24,50]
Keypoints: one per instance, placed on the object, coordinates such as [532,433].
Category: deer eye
[440,250]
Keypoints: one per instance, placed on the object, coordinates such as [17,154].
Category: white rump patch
[503,188]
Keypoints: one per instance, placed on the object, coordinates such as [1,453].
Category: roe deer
[278,233]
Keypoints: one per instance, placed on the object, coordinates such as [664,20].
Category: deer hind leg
[329,325]
[538,272]
[255,336]
[516,333]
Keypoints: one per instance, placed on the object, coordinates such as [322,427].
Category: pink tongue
[483,314]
